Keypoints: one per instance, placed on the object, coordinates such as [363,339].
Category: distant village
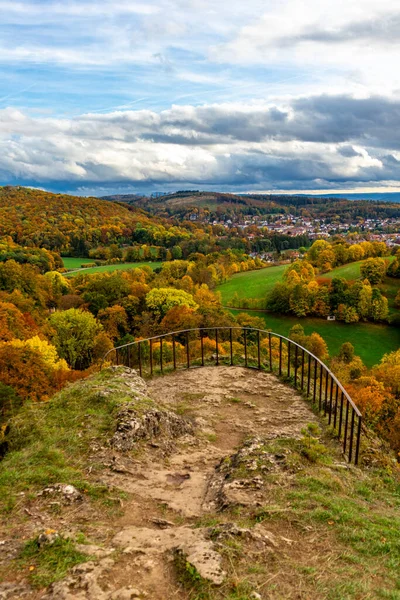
[382,230]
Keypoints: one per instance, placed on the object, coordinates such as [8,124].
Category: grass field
[251,284]
[71,262]
[110,268]
[370,340]
[350,271]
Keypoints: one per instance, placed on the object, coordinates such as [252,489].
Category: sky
[103,97]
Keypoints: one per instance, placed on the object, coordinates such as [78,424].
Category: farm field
[251,284]
[71,262]
[370,340]
[350,271]
[110,268]
[256,284]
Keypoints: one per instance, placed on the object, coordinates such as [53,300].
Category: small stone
[69,492]
[48,537]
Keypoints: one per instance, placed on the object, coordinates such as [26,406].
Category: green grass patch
[111,268]
[50,442]
[350,271]
[72,262]
[251,284]
[370,340]
[48,563]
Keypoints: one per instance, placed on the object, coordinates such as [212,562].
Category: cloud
[340,140]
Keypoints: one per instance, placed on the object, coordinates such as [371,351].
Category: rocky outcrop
[193,544]
[238,479]
[137,423]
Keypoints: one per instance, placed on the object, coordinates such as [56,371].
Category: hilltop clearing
[213,483]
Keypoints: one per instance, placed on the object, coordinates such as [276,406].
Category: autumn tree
[114,320]
[374,269]
[74,334]
[161,300]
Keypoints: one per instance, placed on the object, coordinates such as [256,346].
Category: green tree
[379,306]
[374,269]
[74,334]
[346,353]
[161,300]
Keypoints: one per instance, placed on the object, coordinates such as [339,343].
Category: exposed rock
[82,584]
[257,533]
[138,423]
[238,478]
[69,493]
[132,380]
[128,593]
[193,544]
[47,538]
[13,591]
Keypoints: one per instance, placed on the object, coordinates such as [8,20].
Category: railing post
[288,360]
[129,358]
[309,375]
[330,401]
[202,350]
[351,434]
[346,423]
[336,403]
[231,345]
[320,389]
[315,381]
[270,351]
[258,349]
[326,392]
[117,356]
[280,356]
[216,346]
[302,370]
[161,360]
[151,357]
[245,347]
[187,350]
[358,441]
[139,357]
[295,366]
[174,352]
[341,414]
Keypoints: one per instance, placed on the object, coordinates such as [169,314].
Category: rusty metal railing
[250,348]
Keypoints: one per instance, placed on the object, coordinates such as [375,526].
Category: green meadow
[251,284]
[371,341]
[75,263]
[71,262]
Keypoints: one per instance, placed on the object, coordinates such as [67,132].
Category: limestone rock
[193,544]
[136,424]
[69,493]
[14,591]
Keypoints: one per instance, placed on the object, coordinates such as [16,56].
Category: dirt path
[175,491]
[177,487]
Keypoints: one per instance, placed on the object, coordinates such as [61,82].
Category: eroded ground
[199,496]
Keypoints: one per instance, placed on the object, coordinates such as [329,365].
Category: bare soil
[172,494]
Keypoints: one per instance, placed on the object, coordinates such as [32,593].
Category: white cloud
[332,139]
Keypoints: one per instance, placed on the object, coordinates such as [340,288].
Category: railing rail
[251,348]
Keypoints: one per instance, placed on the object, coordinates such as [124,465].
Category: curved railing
[251,348]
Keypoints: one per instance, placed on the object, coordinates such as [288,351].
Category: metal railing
[255,349]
